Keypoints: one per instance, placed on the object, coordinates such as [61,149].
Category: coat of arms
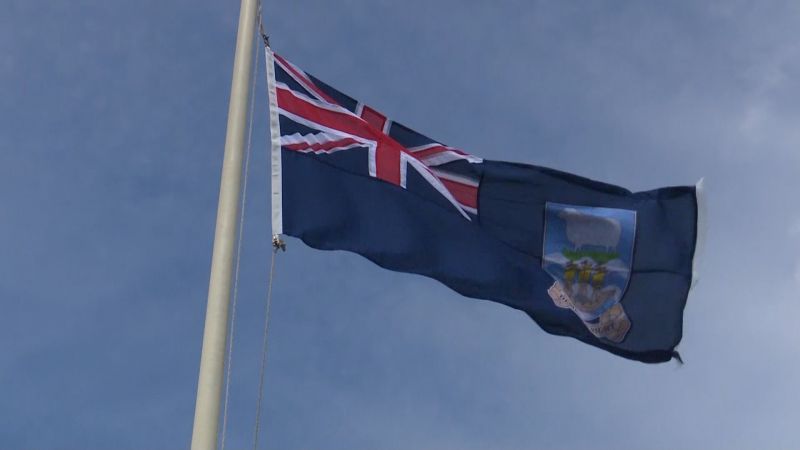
[589,252]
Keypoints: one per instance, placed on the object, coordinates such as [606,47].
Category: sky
[112,124]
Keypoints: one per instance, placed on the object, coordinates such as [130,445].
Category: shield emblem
[589,253]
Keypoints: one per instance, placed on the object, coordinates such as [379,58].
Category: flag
[582,258]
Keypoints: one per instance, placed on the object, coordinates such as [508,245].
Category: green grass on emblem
[597,256]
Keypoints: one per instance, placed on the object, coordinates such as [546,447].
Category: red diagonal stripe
[337,120]
[465,194]
[422,154]
[306,81]
[325,146]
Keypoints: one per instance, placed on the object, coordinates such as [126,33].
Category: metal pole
[209,384]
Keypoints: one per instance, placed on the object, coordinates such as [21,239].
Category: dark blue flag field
[585,259]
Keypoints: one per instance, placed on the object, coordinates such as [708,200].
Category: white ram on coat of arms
[585,229]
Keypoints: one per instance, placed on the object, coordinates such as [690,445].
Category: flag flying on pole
[584,259]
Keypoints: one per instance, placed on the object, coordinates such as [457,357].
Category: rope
[276,245]
[261,26]
[246,171]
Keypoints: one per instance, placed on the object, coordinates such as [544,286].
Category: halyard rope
[246,171]
[276,245]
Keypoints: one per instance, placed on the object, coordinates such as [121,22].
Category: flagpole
[209,384]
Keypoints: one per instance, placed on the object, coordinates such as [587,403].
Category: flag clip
[277,243]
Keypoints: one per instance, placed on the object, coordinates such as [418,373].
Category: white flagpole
[209,384]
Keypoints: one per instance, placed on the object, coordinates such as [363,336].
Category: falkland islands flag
[584,259]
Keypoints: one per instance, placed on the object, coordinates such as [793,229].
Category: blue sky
[112,122]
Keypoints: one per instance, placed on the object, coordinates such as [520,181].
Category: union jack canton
[316,118]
